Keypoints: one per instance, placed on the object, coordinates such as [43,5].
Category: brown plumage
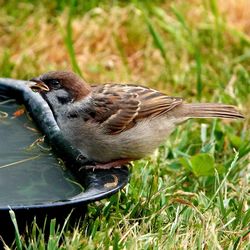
[113,122]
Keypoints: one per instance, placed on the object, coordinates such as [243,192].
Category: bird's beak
[38,85]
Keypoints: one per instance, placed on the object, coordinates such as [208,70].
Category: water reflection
[28,174]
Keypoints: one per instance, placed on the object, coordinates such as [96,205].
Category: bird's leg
[109,165]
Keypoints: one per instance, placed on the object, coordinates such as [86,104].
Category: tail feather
[206,110]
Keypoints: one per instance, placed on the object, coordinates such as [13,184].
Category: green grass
[174,199]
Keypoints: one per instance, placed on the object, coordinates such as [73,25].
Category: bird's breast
[134,143]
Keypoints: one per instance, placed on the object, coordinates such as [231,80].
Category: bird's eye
[54,83]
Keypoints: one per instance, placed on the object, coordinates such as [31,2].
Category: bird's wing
[119,107]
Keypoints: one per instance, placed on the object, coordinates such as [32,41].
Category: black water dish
[32,182]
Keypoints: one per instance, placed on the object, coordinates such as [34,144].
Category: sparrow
[113,124]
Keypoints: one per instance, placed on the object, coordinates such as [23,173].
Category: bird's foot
[109,165]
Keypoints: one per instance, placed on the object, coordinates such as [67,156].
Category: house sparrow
[113,124]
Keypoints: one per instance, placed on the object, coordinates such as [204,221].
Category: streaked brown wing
[119,107]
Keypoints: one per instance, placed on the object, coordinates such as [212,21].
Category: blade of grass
[69,40]
[193,48]
[158,41]
[218,27]
[17,234]
[221,200]
[199,85]
[239,214]
[238,240]
[181,19]
[62,230]
[52,242]
[233,164]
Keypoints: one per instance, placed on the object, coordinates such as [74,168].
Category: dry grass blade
[19,162]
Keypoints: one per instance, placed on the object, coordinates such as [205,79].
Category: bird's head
[60,87]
